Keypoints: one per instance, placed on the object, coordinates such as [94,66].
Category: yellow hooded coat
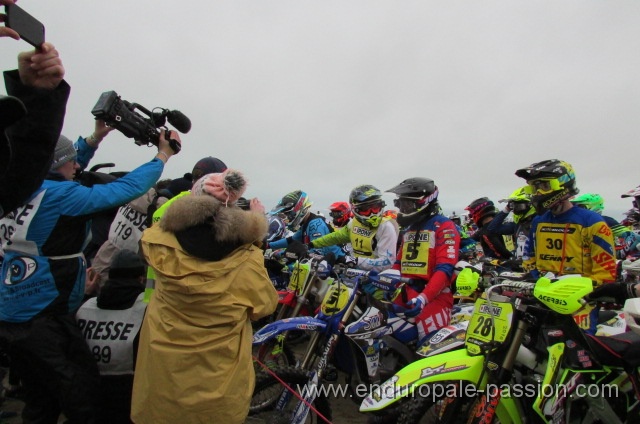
[194,360]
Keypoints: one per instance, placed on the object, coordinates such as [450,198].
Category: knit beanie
[227,186]
[127,264]
[65,152]
[208,165]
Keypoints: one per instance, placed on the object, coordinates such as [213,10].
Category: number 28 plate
[483,330]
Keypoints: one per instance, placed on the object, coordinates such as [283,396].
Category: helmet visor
[544,186]
[368,210]
[406,205]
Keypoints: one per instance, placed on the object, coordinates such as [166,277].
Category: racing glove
[416,304]
[619,291]
[349,261]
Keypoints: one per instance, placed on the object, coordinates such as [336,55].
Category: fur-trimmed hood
[205,228]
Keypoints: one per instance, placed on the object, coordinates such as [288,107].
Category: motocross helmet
[593,202]
[416,198]
[340,212]
[481,208]
[277,228]
[520,204]
[635,193]
[293,208]
[550,183]
[632,217]
[367,205]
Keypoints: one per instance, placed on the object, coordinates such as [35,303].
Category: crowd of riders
[544,226]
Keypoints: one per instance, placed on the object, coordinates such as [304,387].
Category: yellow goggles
[541,186]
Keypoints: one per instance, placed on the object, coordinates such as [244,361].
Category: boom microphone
[179,120]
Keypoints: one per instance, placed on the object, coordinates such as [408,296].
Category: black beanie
[127,264]
[208,165]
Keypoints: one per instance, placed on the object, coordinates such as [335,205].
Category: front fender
[270,331]
[456,365]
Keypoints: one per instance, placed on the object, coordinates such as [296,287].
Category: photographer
[31,119]
[44,272]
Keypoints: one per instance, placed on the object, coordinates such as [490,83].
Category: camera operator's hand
[99,133]
[41,69]
[165,149]
[4,31]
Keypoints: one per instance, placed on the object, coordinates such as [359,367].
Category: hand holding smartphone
[30,29]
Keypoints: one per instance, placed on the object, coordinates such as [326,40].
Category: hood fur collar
[207,229]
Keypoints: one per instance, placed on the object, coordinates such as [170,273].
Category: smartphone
[30,29]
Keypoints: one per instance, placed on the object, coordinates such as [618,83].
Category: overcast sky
[326,95]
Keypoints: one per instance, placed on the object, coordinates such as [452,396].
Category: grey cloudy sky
[324,96]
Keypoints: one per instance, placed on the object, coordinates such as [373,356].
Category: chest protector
[110,334]
[415,251]
[362,239]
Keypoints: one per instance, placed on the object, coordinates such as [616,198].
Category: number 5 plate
[483,330]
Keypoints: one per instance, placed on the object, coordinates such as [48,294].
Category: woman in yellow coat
[194,360]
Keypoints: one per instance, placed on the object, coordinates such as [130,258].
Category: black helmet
[416,197]
[551,182]
[481,208]
[366,204]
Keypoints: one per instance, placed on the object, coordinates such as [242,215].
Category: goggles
[543,186]
[407,204]
[368,210]
[336,214]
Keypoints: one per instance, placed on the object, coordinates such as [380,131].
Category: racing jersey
[429,252]
[520,231]
[577,241]
[314,227]
[374,247]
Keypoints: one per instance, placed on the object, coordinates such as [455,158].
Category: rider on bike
[429,244]
[373,237]
[523,212]
[340,213]
[294,208]
[566,239]
[482,211]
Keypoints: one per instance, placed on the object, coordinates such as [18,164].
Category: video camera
[122,115]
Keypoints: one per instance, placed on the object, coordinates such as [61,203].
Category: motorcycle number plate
[489,324]
[335,300]
[298,278]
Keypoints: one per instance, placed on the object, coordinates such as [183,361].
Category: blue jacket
[43,269]
[314,226]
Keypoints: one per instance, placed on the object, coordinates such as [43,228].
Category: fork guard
[456,365]
[274,329]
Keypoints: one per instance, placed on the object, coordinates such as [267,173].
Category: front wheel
[442,402]
[269,388]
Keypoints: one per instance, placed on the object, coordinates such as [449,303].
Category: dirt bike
[308,282]
[525,360]
[377,344]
